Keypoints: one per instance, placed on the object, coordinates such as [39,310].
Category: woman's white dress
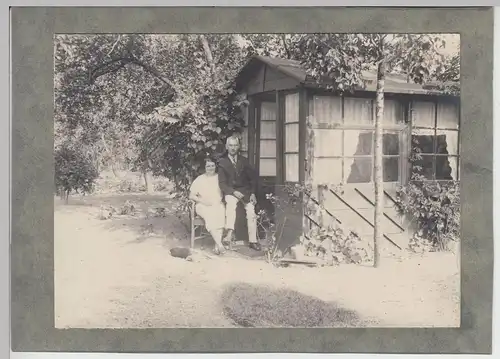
[213,213]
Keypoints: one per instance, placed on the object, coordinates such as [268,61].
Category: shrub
[434,208]
[74,171]
[331,243]
[337,245]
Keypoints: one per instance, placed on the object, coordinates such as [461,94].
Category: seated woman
[206,194]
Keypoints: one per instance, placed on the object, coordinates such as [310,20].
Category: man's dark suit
[240,177]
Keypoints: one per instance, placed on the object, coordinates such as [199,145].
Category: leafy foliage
[337,245]
[102,83]
[331,243]
[203,113]
[434,207]
[448,75]
[74,170]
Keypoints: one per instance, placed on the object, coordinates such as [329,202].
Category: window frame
[285,123]
[436,102]
[399,128]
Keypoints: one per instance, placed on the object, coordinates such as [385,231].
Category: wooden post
[280,143]
[251,131]
[308,168]
[378,167]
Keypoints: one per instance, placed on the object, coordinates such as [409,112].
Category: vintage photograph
[257,180]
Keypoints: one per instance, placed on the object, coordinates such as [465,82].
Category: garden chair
[198,229]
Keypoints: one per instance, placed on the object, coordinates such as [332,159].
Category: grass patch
[258,306]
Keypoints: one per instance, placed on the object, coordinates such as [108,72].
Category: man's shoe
[255,246]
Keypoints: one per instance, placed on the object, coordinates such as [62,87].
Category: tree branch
[208,53]
[114,45]
[287,51]
[121,62]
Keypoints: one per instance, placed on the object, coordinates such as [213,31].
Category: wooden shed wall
[341,135]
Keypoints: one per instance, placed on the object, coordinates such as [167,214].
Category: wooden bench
[198,229]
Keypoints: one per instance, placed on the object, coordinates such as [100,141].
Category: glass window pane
[393,112]
[391,143]
[358,142]
[424,166]
[358,169]
[447,142]
[327,171]
[448,115]
[446,168]
[423,114]
[292,167]
[244,139]
[327,143]
[268,148]
[391,169]
[268,111]
[423,140]
[267,167]
[268,129]
[358,111]
[327,109]
[292,137]
[292,108]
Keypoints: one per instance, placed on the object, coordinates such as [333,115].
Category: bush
[337,245]
[74,171]
[434,208]
[131,186]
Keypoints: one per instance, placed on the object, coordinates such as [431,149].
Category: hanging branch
[118,63]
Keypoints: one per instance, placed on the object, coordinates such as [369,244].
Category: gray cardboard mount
[32,254]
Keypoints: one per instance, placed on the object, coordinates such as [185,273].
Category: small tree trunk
[66,197]
[113,169]
[208,54]
[148,181]
[378,166]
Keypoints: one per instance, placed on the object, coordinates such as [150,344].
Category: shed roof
[293,68]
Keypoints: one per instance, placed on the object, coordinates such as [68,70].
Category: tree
[103,83]
[204,110]
[448,75]
[74,170]
[341,58]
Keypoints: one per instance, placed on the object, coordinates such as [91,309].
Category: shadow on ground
[260,306]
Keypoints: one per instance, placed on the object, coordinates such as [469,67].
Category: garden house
[297,131]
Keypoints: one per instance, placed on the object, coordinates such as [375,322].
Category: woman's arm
[195,197]
[195,193]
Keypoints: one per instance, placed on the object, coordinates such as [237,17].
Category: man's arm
[224,181]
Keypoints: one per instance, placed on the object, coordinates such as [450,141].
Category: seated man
[238,182]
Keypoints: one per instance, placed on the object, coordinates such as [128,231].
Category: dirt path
[108,275]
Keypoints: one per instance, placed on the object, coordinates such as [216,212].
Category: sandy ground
[108,274]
